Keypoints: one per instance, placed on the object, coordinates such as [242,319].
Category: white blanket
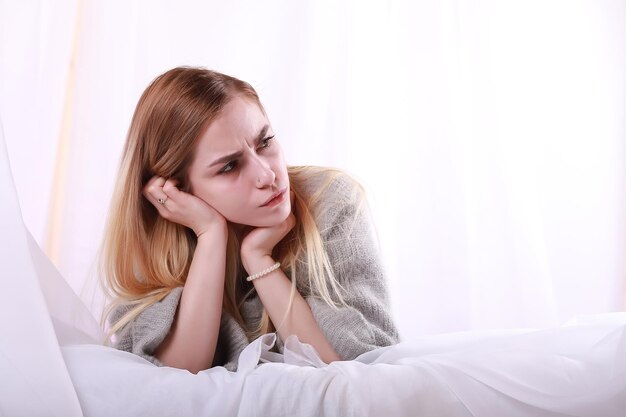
[51,365]
[574,370]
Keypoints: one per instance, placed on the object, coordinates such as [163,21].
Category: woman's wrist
[212,231]
[253,264]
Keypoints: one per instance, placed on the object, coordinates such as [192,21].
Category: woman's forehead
[240,120]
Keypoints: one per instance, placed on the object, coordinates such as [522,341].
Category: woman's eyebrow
[237,154]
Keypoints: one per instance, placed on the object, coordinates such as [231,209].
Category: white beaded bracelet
[263,272]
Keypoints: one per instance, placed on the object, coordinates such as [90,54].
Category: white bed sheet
[573,370]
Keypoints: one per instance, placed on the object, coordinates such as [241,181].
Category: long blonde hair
[143,256]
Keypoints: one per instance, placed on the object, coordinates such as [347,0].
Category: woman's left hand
[260,241]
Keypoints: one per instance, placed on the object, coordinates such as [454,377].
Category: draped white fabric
[575,370]
[34,377]
[489,134]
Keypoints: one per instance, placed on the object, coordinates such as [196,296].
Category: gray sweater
[363,326]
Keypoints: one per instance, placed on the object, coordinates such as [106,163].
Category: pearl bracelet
[263,272]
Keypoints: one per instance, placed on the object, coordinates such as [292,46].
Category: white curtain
[489,134]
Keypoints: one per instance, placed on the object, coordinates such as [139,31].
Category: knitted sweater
[364,325]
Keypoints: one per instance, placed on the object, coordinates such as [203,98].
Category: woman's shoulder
[334,196]
[328,186]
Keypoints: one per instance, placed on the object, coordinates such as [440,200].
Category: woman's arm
[274,290]
[192,340]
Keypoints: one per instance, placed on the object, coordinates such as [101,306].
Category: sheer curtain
[489,134]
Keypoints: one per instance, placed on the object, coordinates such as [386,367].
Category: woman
[212,239]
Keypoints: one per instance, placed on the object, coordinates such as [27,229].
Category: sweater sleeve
[347,233]
[145,333]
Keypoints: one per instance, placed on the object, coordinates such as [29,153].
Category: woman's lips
[276,198]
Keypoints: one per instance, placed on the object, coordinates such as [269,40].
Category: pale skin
[232,190]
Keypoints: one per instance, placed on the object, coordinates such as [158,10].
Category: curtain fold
[35,380]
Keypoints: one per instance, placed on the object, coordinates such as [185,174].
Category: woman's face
[237,167]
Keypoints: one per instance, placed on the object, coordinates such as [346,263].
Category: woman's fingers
[155,181]
[156,192]
[169,188]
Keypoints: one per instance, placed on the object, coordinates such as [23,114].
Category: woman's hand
[180,207]
[260,241]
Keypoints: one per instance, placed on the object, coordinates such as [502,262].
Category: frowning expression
[238,165]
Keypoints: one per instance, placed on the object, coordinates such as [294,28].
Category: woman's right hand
[181,207]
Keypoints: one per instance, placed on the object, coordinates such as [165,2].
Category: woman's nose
[264,174]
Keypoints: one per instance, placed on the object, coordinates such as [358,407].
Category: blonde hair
[144,257]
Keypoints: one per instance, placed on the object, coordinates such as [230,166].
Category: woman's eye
[228,167]
[265,143]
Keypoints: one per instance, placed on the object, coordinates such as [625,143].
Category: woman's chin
[269,221]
